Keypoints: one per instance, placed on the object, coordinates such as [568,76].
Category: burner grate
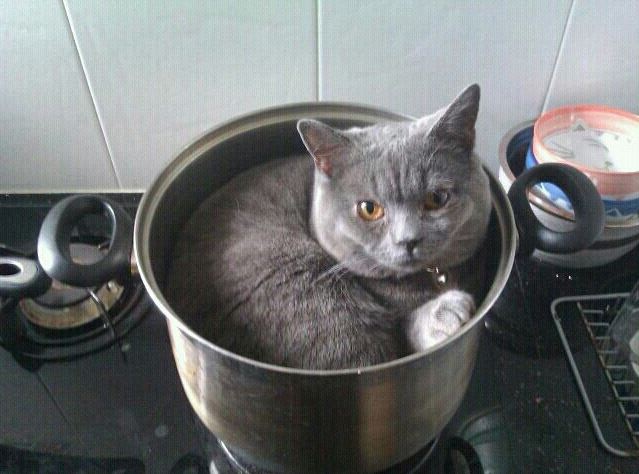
[28,341]
[596,312]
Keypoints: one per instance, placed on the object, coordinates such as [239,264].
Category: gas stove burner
[416,464]
[37,330]
[65,307]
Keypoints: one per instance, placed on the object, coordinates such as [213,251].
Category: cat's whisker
[343,269]
[330,272]
[337,271]
[375,267]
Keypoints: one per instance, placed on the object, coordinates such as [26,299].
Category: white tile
[413,57]
[599,60]
[164,72]
[51,138]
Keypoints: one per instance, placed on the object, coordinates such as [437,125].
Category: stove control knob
[22,278]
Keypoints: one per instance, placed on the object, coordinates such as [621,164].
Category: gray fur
[277,266]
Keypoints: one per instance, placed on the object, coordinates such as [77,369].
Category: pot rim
[154,194]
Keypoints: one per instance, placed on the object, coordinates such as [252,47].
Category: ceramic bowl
[617,238]
[600,141]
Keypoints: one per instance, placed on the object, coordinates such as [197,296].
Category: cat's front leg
[438,319]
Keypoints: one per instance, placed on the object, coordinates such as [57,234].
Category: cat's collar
[439,275]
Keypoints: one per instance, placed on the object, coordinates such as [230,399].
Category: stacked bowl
[601,142]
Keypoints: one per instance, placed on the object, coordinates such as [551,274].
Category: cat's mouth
[409,265]
[383,266]
[402,266]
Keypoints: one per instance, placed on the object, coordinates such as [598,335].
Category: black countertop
[113,413]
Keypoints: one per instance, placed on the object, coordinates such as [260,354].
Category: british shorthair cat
[365,251]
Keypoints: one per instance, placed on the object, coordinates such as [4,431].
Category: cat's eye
[436,200]
[370,210]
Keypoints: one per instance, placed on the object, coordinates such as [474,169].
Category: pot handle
[55,236]
[586,202]
[471,460]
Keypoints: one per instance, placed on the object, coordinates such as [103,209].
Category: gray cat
[362,255]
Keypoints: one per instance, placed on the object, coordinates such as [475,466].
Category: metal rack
[597,312]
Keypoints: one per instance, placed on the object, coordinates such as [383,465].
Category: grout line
[562,43]
[49,393]
[318,50]
[91,93]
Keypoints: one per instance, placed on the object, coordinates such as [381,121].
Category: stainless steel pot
[356,420]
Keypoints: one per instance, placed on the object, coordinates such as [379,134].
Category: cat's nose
[410,245]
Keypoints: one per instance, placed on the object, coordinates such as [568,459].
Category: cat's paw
[438,319]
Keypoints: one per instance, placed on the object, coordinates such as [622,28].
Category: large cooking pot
[283,419]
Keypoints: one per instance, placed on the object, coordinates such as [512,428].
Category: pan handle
[55,236]
[586,202]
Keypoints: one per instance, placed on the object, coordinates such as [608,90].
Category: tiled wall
[101,95]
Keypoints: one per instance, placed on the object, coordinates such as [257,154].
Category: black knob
[22,278]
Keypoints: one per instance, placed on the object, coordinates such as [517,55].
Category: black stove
[101,394]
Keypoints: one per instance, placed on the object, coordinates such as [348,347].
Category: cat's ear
[325,144]
[456,123]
